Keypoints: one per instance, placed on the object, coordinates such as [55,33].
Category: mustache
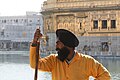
[58,49]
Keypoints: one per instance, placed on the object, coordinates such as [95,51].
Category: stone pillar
[4,45]
[108,23]
[54,22]
[44,24]
[11,45]
[91,24]
[99,24]
[117,20]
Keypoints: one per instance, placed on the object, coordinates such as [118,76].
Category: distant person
[68,64]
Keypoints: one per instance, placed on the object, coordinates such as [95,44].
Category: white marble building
[16,32]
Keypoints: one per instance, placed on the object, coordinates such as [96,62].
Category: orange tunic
[80,68]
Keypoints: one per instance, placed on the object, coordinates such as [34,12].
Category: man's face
[63,51]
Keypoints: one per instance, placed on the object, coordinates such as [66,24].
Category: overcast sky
[19,7]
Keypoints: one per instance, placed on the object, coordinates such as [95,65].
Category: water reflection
[16,67]
[14,58]
[112,64]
